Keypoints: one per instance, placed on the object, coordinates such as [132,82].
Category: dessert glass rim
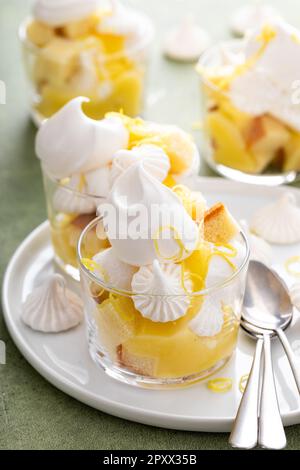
[58,182]
[200,66]
[126,293]
[131,50]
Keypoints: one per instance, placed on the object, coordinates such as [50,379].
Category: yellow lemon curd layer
[78,60]
[163,350]
[239,140]
[65,232]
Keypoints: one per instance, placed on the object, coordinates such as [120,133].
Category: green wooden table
[33,414]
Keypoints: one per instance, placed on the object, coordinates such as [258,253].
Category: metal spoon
[267,307]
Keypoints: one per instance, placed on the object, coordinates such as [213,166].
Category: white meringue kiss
[52,308]
[161,296]
[260,250]
[60,12]
[210,319]
[121,21]
[113,271]
[70,200]
[70,142]
[186,42]
[154,159]
[278,222]
[145,220]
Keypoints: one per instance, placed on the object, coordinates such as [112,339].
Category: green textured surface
[33,414]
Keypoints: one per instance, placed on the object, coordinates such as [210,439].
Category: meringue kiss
[84,145]
[145,220]
[60,12]
[52,307]
[161,295]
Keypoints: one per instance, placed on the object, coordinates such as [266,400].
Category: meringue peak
[52,307]
[70,142]
[61,12]
[158,292]
[148,221]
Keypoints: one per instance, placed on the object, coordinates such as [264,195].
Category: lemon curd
[77,59]
[164,350]
[65,232]
[140,351]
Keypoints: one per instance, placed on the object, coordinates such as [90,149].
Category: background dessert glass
[236,144]
[138,351]
[66,226]
[118,82]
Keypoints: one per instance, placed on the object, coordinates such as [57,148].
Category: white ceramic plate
[64,361]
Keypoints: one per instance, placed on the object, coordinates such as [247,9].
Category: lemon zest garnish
[220,385]
[89,264]
[266,36]
[190,202]
[232,251]
[177,239]
[188,276]
[289,263]
[243,382]
[98,294]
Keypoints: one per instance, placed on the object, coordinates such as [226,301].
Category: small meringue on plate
[186,41]
[278,222]
[52,307]
[260,250]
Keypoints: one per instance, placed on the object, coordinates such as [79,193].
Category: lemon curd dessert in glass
[163,302]
[251,111]
[82,158]
[86,47]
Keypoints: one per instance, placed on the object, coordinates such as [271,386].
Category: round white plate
[64,361]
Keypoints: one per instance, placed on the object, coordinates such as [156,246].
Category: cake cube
[40,34]
[292,154]
[219,225]
[265,137]
[228,144]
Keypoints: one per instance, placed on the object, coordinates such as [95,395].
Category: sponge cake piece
[219,225]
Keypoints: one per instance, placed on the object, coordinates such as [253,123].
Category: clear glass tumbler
[112,82]
[138,351]
[239,145]
[69,212]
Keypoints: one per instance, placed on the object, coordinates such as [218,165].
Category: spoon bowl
[267,304]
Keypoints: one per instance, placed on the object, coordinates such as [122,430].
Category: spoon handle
[271,431]
[291,356]
[245,428]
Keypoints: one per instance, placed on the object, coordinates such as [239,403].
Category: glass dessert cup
[144,353]
[66,226]
[251,149]
[61,71]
